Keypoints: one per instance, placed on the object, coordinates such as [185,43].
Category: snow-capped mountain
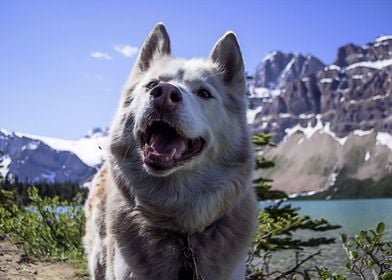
[353,93]
[331,121]
[278,68]
[328,120]
[37,158]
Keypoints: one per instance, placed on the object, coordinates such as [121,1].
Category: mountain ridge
[354,96]
[323,122]
[35,158]
[328,120]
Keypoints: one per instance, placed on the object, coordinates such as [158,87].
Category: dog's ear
[156,45]
[227,55]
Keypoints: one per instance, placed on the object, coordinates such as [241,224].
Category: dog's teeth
[173,153]
[153,136]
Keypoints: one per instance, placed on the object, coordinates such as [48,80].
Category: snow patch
[262,92]
[306,116]
[264,125]
[378,97]
[4,164]
[332,67]
[269,56]
[385,139]
[293,195]
[284,115]
[5,132]
[367,156]
[326,80]
[90,150]
[288,67]
[379,64]
[327,130]
[31,146]
[310,130]
[357,77]
[384,38]
[362,132]
[332,179]
[251,114]
[381,44]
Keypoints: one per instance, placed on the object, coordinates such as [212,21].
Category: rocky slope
[342,113]
[311,158]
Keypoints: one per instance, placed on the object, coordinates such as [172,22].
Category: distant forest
[68,191]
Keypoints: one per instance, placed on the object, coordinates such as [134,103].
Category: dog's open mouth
[165,148]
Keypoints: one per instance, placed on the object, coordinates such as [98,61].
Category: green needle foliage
[278,224]
[1,160]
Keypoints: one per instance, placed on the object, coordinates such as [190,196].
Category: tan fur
[136,215]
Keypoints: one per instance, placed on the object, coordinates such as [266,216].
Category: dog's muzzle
[164,144]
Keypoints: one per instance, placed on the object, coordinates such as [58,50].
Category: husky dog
[175,200]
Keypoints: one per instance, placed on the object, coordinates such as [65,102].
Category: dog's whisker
[125,154]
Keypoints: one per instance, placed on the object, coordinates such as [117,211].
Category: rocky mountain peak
[354,93]
[32,160]
[278,68]
[380,49]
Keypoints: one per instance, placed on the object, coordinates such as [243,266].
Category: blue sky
[63,63]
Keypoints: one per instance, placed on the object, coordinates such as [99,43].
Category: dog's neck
[182,208]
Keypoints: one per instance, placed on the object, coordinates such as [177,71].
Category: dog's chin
[165,150]
[157,172]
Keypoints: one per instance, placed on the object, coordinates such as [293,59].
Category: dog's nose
[165,97]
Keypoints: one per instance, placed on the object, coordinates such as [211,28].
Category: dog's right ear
[156,45]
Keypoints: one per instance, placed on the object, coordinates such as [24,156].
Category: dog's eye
[152,84]
[203,93]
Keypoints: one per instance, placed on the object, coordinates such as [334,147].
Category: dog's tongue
[164,144]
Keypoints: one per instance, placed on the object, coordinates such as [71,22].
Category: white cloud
[100,55]
[126,50]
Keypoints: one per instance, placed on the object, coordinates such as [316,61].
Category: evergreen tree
[277,225]
[1,161]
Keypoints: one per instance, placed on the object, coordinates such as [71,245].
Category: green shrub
[369,256]
[277,225]
[48,229]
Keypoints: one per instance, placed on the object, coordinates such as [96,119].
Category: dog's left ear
[227,54]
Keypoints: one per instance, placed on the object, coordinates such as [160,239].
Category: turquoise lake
[352,215]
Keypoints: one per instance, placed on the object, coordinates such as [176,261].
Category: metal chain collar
[190,270]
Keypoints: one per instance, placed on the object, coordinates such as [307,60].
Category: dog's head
[181,115]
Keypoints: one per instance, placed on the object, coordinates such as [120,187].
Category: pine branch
[298,265]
